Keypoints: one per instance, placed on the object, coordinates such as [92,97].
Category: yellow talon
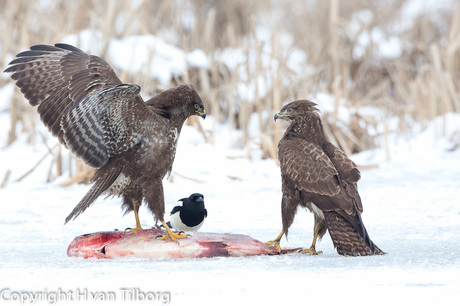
[276,242]
[311,251]
[137,228]
[173,236]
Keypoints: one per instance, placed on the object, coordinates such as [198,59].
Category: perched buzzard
[107,124]
[317,175]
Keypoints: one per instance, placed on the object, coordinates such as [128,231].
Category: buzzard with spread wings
[317,175]
[106,123]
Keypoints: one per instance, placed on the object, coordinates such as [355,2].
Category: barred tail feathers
[347,241]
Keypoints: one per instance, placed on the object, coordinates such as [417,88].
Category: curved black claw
[133,229]
[176,235]
[184,233]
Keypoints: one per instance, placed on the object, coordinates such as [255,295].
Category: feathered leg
[154,196]
[288,211]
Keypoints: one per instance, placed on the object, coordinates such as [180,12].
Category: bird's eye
[289,110]
[196,106]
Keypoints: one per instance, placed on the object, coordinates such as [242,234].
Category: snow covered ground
[411,210]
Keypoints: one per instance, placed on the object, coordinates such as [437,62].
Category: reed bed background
[360,54]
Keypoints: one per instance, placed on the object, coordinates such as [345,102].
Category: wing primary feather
[66,47]
[45,48]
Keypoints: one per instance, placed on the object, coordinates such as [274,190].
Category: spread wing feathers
[307,167]
[346,239]
[105,124]
[96,190]
[57,77]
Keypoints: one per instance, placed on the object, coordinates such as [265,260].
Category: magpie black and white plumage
[190,216]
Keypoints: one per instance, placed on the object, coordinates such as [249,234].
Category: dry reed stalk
[171,179]
[421,83]
[5,179]
[276,106]
[34,167]
[82,177]
[14,116]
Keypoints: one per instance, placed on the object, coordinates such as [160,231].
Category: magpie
[190,216]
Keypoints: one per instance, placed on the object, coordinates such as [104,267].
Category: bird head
[194,202]
[182,101]
[194,103]
[199,110]
[291,110]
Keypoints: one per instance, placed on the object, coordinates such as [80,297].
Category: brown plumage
[319,176]
[105,123]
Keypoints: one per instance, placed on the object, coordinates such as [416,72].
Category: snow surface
[411,207]
[411,210]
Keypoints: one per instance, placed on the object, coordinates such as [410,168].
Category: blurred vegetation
[344,43]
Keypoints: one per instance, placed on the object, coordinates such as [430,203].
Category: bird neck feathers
[168,106]
[308,127]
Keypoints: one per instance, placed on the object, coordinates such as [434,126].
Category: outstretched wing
[57,77]
[105,124]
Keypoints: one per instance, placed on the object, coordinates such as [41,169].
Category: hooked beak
[279,115]
[202,114]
